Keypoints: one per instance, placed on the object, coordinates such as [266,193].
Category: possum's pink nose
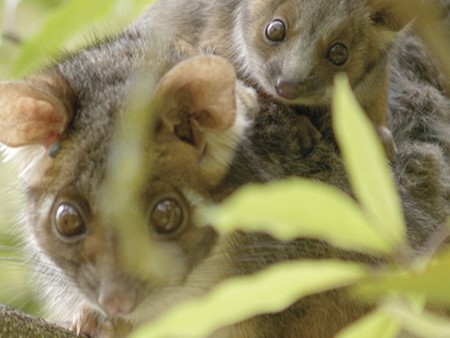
[286,89]
[117,301]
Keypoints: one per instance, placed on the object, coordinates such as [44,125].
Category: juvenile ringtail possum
[206,141]
[201,27]
[292,50]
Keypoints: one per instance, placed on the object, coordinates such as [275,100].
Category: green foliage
[65,22]
[366,165]
[260,207]
[66,19]
[394,314]
[13,278]
[431,282]
[375,325]
[240,298]
[419,323]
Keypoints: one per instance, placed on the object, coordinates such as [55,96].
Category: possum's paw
[92,324]
[307,134]
[247,100]
[388,142]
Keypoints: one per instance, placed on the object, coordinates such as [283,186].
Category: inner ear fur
[36,110]
[203,87]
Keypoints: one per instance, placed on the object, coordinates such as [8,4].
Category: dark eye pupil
[276,30]
[166,216]
[338,54]
[68,221]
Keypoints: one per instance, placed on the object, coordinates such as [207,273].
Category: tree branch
[14,323]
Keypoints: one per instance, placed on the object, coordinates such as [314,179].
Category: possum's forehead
[311,17]
[311,27]
[100,78]
[86,142]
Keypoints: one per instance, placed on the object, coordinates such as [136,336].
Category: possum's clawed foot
[307,134]
[248,99]
[388,142]
[92,324]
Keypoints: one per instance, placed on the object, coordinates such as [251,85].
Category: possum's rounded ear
[197,95]
[35,111]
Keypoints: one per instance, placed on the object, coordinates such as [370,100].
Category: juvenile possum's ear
[197,95]
[394,14]
[34,111]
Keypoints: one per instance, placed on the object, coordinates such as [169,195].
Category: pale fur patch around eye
[195,199]
[248,63]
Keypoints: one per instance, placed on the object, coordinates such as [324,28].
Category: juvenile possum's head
[75,248]
[293,49]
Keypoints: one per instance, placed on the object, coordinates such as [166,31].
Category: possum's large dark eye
[276,30]
[338,54]
[69,222]
[167,217]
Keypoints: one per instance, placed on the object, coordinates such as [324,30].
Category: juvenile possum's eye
[68,221]
[338,54]
[276,30]
[167,216]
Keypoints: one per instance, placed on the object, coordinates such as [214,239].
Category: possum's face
[295,48]
[82,257]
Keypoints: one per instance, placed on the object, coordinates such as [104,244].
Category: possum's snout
[286,89]
[308,91]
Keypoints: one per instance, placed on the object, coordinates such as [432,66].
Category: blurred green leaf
[295,208]
[129,167]
[420,324]
[68,19]
[134,7]
[236,299]
[378,324]
[432,283]
[366,164]
[63,22]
